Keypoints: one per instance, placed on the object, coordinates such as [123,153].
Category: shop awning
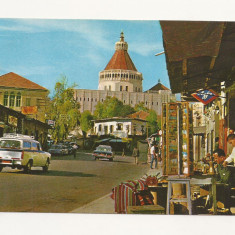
[199,55]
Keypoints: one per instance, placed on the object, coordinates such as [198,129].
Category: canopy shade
[199,55]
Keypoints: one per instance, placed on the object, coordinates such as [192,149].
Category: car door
[35,154]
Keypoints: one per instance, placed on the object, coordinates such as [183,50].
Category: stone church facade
[121,79]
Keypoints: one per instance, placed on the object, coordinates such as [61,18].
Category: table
[207,180]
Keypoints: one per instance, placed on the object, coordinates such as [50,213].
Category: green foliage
[86,122]
[152,122]
[64,110]
[141,106]
[112,107]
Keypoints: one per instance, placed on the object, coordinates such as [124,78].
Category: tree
[141,106]
[64,110]
[112,107]
[86,122]
[152,122]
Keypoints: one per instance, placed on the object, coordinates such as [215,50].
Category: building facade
[121,79]
[20,94]
[120,127]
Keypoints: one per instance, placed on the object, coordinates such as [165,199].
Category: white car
[22,152]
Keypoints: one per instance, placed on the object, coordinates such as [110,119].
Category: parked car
[22,152]
[58,149]
[103,152]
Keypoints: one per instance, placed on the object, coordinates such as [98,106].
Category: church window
[84,98]
[5,101]
[18,99]
[120,88]
[91,99]
[100,127]
[136,89]
[109,88]
[12,99]
[146,102]
[121,75]
[87,99]
[80,99]
[157,103]
[102,100]
[152,103]
[126,88]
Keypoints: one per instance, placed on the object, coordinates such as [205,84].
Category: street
[69,184]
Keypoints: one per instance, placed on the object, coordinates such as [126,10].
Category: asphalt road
[69,184]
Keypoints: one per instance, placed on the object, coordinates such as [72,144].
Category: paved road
[69,184]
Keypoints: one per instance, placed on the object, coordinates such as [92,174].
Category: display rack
[177,139]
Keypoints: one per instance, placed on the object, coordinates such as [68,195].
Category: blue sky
[43,50]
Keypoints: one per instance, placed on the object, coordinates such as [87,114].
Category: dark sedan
[58,150]
[103,152]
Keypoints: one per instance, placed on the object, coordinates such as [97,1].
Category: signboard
[51,122]
[205,96]
[29,109]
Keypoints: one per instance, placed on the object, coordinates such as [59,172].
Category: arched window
[5,99]
[12,99]
[18,99]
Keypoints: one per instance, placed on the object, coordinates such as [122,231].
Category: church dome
[121,58]
[120,74]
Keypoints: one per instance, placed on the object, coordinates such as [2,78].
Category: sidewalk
[105,204]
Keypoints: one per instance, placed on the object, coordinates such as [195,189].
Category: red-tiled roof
[159,87]
[14,80]
[140,115]
[121,60]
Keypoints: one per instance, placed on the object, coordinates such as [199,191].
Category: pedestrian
[154,155]
[74,150]
[135,154]
[123,152]
[231,157]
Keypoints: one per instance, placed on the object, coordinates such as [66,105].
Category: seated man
[223,172]
[231,157]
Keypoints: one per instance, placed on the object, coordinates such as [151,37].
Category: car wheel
[45,168]
[1,167]
[28,167]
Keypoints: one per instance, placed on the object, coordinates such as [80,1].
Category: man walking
[154,155]
[135,154]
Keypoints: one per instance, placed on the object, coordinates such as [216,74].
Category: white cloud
[146,49]
[89,31]
[28,71]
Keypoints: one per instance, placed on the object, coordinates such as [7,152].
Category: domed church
[122,80]
[120,74]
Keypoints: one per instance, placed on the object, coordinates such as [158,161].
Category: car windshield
[13,144]
[104,148]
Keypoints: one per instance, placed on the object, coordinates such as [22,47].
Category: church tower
[120,74]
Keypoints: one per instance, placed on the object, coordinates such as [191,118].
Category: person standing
[231,157]
[154,155]
[74,150]
[135,154]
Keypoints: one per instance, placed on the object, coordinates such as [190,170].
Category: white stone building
[121,79]
[120,127]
